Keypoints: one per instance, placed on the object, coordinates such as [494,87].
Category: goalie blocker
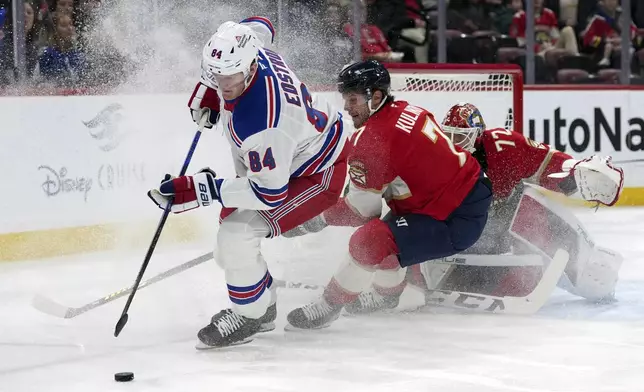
[539,226]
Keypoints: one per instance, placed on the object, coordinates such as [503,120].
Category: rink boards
[76,169]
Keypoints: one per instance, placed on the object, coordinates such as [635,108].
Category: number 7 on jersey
[433,132]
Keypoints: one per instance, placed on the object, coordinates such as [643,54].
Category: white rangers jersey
[277,131]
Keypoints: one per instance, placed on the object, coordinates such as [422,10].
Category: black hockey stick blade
[120,324]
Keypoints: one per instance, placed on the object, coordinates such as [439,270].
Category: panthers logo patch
[358,173]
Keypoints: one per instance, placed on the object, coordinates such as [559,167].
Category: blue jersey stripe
[330,154]
[251,112]
[270,191]
[329,138]
[264,200]
[244,289]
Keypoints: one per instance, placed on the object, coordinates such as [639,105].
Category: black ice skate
[268,319]
[318,314]
[228,328]
[372,301]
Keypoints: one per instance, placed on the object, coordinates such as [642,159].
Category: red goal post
[496,89]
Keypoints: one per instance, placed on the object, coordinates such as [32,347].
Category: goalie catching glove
[596,178]
[187,192]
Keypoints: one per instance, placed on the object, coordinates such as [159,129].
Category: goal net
[496,89]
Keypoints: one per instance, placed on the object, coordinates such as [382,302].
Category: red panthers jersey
[509,157]
[600,27]
[546,19]
[401,154]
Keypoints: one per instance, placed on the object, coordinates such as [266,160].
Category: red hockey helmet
[463,123]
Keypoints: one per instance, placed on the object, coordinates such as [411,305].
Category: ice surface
[570,345]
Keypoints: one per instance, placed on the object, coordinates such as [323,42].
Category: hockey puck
[123,377]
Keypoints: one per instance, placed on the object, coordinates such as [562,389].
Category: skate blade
[374,312]
[292,328]
[204,347]
[266,327]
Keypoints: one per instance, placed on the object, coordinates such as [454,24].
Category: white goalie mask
[231,50]
[463,123]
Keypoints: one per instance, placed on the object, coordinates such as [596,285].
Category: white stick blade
[539,296]
[49,306]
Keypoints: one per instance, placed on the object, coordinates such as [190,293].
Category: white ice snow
[570,345]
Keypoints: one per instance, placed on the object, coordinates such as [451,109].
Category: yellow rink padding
[66,241]
[630,197]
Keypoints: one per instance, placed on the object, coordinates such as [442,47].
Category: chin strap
[382,103]
[372,111]
[248,76]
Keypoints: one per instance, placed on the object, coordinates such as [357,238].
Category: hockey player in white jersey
[290,159]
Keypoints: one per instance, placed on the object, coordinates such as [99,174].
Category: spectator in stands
[62,63]
[568,12]
[547,33]
[503,15]
[373,42]
[33,44]
[64,7]
[468,16]
[602,36]
[403,25]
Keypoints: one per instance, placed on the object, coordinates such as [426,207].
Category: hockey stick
[472,260]
[489,303]
[53,308]
[529,304]
[628,161]
[124,316]
[508,260]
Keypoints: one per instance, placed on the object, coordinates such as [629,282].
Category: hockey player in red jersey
[437,193]
[509,158]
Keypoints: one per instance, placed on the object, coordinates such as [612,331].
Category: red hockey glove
[189,192]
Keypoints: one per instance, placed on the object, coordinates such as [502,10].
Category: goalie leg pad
[596,279]
[592,271]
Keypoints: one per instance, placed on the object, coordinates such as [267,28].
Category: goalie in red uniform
[518,223]
[438,195]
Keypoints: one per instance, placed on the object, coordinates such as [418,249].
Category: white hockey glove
[596,178]
[212,117]
[189,192]
[312,226]
[204,100]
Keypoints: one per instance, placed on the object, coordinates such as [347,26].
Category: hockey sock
[390,282]
[371,247]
